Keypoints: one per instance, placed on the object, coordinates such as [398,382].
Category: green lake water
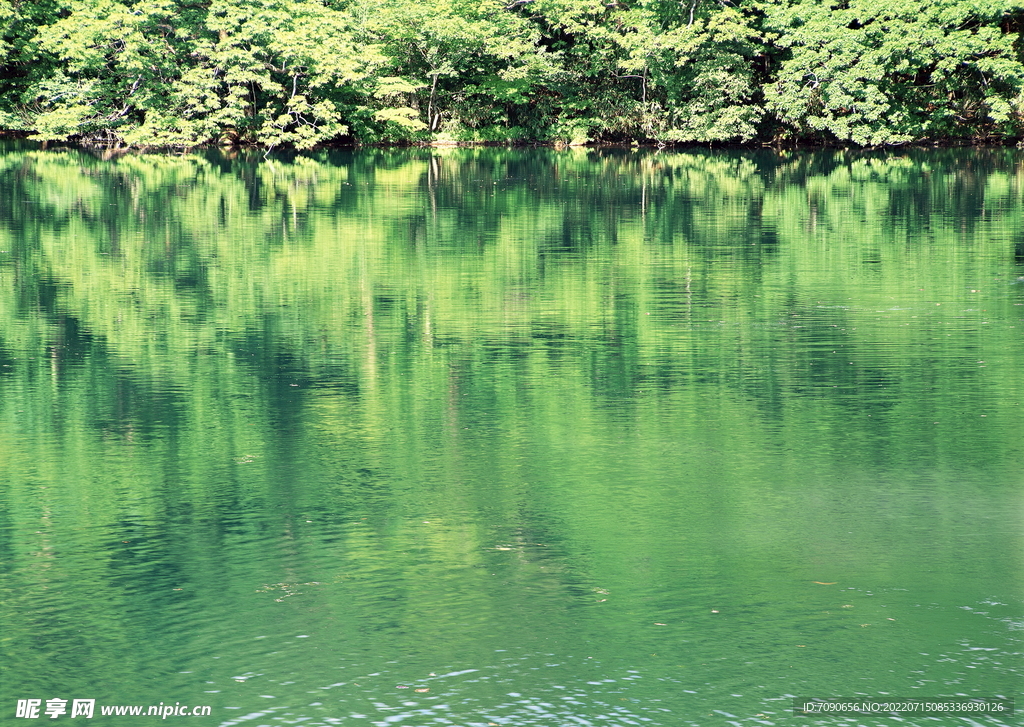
[516,437]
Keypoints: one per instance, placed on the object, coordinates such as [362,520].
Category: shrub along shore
[300,73]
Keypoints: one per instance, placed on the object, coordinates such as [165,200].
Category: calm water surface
[491,437]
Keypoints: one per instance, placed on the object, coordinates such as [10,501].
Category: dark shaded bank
[111,150]
[302,73]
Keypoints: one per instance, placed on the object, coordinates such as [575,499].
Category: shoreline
[788,145]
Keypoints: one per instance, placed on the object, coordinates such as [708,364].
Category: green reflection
[418,406]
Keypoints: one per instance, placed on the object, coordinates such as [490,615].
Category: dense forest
[297,73]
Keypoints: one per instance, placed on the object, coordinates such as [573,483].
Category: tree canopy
[299,73]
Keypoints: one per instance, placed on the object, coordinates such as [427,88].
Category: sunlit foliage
[297,73]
